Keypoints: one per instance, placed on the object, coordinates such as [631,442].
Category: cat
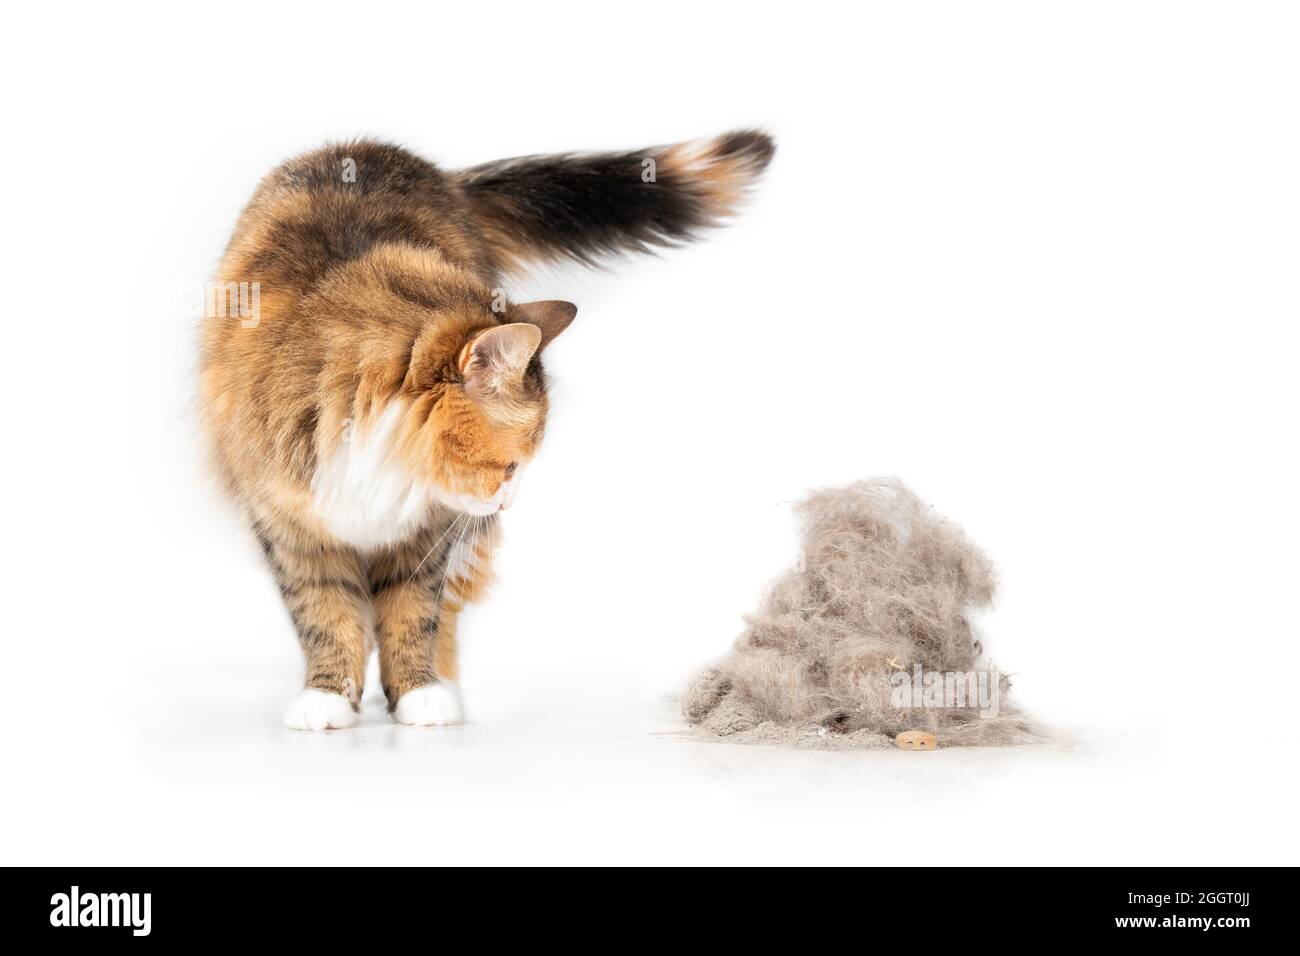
[377,409]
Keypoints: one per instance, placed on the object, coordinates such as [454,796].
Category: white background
[1037,260]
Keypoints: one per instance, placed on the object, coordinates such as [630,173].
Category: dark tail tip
[751,146]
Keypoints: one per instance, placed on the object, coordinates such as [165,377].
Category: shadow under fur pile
[884,585]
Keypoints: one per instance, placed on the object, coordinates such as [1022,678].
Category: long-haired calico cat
[378,407]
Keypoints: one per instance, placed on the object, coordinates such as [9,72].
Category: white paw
[319,710]
[434,705]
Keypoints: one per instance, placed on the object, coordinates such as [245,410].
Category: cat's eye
[510,469]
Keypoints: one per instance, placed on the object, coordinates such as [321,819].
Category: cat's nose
[504,506]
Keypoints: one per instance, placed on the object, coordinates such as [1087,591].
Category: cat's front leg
[327,593]
[418,590]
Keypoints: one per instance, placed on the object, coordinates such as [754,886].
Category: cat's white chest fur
[362,492]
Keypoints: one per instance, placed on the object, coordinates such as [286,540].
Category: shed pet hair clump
[836,655]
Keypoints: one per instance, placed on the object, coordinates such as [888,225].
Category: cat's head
[489,417]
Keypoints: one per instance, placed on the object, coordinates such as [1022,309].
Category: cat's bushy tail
[589,207]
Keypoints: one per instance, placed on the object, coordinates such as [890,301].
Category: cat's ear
[499,356]
[551,316]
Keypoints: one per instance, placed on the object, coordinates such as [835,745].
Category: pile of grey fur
[884,586]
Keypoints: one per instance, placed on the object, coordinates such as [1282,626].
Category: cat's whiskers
[472,553]
[450,526]
[446,569]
